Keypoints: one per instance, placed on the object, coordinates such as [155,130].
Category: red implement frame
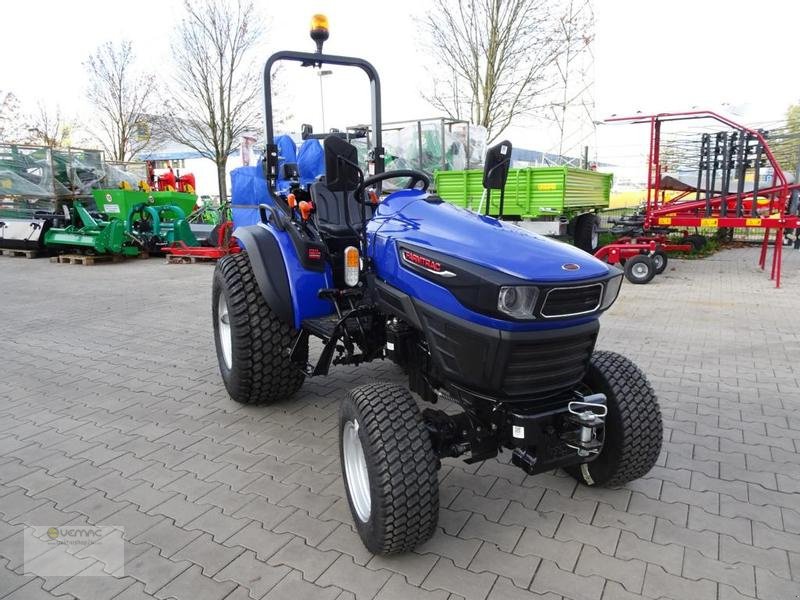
[676,212]
[226,244]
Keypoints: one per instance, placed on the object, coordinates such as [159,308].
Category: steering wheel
[416,177]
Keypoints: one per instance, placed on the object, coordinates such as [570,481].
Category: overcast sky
[649,56]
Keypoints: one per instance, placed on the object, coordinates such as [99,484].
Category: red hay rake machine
[726,193]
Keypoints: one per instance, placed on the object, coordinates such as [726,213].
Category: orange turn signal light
[305,210]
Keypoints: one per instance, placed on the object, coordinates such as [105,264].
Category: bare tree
[213,99]
[122,99]
[49,127]
[575,36]
[495,57]
[11,126]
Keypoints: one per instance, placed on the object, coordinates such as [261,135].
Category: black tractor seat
[338,212]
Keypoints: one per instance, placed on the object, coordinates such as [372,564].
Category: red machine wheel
[640,269]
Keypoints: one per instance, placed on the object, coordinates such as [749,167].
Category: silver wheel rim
[355,470]
[640,270]
[224,331]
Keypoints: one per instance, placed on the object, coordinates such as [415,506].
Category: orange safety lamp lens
[319,22]
[351,266]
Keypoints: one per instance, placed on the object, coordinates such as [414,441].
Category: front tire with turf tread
[633,430]
[260,370]
[401,466]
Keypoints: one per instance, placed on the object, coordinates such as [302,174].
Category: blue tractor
[496,323]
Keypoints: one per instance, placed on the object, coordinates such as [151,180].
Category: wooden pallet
[86,259]
[175,259]
[17,252]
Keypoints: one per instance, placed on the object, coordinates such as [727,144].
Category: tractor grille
[570,301]
[545,367]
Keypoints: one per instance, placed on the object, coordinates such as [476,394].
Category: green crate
[117,203]
[186,202]
[530,192]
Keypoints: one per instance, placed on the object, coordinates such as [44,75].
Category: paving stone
[630,573]
[491,559]
[459,550]
[765,537]
[344,539]
[545,523]
[398,589]
[641,525]
[167,537]
[414,567]
[263,542]
[153,570]
[179,509]
[675,512]
[261,511]
[93,584]
[603,538]
[583,510]
[362,582]
[298,555]
[669,556]
[707,542]
[769,515]
[145,496]
[491,508]
[696,566]
[254,574]
[739,528]
[311,529]
[503,536]
[292,586]
[217,524]
[708,501]
[549,578]
[207,553]
[772,559]
[192,584]
[447,576]
[564,554]
[658,583]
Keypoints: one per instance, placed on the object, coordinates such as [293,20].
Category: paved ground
[112,412]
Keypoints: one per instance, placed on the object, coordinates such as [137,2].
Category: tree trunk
[222,181]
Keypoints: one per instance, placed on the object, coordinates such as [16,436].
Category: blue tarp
[310,161]
[287,152]
[248,190]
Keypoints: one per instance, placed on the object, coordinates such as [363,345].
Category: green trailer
[555,201]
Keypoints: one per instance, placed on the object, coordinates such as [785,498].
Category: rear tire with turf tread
[634,429]
[260,370]
[401,466]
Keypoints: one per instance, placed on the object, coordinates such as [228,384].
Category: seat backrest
[338,212]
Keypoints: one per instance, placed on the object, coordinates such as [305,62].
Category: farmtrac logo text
[428,264]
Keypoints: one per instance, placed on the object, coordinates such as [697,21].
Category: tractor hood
[426,222]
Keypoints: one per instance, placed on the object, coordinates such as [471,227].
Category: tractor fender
[263,249]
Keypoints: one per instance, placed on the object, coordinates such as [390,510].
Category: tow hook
[589,413]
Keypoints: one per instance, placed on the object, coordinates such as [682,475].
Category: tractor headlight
[611,292]
[517,300]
